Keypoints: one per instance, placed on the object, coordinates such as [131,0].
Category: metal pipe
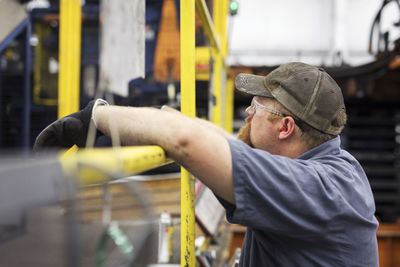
[27,88]
[69,57]
[98,165]
[188,107]
[210,29]
[229,103]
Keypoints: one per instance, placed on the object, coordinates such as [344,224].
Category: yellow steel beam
[208,25]
[205,17]
[229,103]
[220,15]
[221,29]
[203,63]
[98,165]
[188,107]
[216,113]
[220,11]
[69,56]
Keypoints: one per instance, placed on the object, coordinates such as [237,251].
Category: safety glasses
[257,105]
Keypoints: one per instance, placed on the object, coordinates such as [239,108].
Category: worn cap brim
[252,84]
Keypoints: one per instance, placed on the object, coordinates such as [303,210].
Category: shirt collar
[329,147]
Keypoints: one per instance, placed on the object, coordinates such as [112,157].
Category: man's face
[260,131]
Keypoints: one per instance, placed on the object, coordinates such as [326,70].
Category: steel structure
[95,165]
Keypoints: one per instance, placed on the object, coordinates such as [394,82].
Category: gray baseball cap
[306,91]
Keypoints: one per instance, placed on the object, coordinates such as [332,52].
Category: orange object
[167,54]
[395,63]
[388,235]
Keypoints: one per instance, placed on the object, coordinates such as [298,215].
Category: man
[304,200]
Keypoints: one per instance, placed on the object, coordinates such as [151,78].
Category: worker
[305,200]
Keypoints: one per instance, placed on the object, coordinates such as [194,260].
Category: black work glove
[68,131]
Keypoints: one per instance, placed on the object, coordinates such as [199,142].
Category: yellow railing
[99,165]
[91,166]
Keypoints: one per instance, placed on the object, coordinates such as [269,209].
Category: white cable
[91,136]
[98,102]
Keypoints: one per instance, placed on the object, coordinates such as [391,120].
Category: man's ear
[286,127]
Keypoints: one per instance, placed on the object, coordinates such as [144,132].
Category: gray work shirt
[315,210]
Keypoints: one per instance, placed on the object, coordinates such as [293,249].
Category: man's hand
[68,131]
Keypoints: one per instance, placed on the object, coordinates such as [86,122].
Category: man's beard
[244,132]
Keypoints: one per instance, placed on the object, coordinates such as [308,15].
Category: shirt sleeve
[276,193]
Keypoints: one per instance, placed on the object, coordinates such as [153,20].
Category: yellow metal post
[220,17]
[69,56]
[217,82]
[220,9]
[229,103]
[208,25]
[188,107]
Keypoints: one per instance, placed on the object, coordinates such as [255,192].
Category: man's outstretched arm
[205,123]
[201,150]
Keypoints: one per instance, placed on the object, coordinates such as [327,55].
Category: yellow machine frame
[98,165]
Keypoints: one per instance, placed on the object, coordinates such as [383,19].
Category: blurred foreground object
[44,209]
